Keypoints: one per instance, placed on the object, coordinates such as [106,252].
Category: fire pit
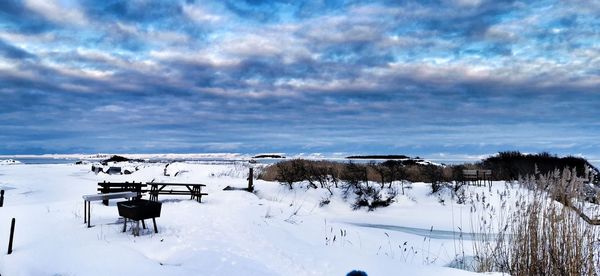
[139,209]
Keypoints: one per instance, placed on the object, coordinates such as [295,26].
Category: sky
[446,79]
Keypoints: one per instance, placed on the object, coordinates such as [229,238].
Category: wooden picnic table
[87,199]
[117,187]
[193,190]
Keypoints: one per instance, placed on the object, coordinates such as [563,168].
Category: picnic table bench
[87,199]
[117,187]
[193,190]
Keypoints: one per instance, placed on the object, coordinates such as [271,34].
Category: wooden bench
[477,177]
[193,190]
[87,199]
[117,187]
[469,175]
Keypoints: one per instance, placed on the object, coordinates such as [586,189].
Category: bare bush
[291,171]
[373,197]
[354,174]
[356,181]
[382,171]
[317,173]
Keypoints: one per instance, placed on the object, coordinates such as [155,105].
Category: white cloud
[276,41]
[80,72]
[200,15]
[222,146]
[200,56]
[54,11]
[168,36]
[22,39]
[110,108]
[467,3]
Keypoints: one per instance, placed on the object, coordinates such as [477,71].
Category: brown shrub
[382,173]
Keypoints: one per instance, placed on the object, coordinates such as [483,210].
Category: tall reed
[543,235]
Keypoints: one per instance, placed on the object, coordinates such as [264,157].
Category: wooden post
[12,235]
[1,198]
[250,180]
[105,191]
[136,230]
[138,189]
[89,214]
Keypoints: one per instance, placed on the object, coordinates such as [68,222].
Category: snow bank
[9,162]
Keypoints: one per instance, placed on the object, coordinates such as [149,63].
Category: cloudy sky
[430,78]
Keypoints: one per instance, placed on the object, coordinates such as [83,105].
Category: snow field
[275,231]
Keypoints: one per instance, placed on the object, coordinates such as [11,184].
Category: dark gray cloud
[133,11]
[14,16]
[12,52]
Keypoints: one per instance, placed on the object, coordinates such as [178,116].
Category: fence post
[12,235]
[1,198]
[250,180]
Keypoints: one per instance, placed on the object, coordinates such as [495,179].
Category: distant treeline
[385,157]
[508,165]
[268,156]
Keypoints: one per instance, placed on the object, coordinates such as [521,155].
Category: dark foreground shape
[356,273]
[139,209]
[114,170]
[388,157]
[12,235]
[116,158]
[268,156]
[229,188]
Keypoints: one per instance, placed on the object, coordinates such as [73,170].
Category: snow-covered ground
[275,231]
[9,162]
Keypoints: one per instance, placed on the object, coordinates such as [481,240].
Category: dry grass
[542,236]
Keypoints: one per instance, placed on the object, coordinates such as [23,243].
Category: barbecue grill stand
[137,210]
[136,229]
